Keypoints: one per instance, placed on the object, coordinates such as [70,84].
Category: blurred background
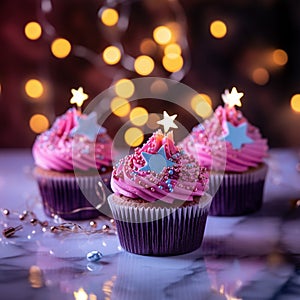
[49,47]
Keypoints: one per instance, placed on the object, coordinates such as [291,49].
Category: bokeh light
[152,121]
[120,106]
[109,17]
[148,46]
[144,65]
[201,104]
[133,136]
[218,29]
[61,48]
[173,48]
[138,116]
[162,35]
[260,76]
[34,88]
[159,87]
[172,62]
[33,30]
[175,29]
[38,123]
[295,103]
[111,55]
[280,57]
[124,88]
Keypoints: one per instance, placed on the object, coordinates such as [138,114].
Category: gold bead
[93,224]
[6,212]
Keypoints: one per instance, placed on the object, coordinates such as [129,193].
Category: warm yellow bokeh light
[260,76]
[133,136]
[159,87]
[34,88]
[38,123]
[295,103]
[144,65]
[206,98]
[138,116]
[120,107]
[201,104]
[162,35]
[33,30]
[173,48]
[152,121]
[176,31]
[111,55]
[280,57]
[109,17]
[148,46]
[61,48]
[218,29]
[124,88]
[172,62]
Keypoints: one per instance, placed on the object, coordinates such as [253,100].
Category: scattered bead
[44,223]
[94,256]
[6,212]
[93,224]
[53,229]
[105,227]
[10,231]
[33,221]
[22,217]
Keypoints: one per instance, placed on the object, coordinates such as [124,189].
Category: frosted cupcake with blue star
[239,190]
[70,157]
[160,202]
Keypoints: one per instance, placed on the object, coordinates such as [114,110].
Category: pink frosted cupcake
[69,158]
[239,190]
[159,201]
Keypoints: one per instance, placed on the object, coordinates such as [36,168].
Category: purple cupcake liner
[172,233]
[238,194]
[67,196]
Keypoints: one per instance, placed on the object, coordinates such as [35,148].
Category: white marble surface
[253,257]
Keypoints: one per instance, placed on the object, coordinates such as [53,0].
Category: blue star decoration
[88,127]
[156,162]
[237,135]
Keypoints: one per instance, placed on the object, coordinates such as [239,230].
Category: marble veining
[251,257]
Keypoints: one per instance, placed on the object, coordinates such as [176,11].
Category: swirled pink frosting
[183,179]
[57,149]
[206,145]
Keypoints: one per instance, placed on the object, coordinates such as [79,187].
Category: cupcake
[237,174]
[69,159]
[159,203]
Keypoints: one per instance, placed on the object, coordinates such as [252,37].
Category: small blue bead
[170,185]
[160,187]
[94,256]
[171,172]
[171,190]
[168,181]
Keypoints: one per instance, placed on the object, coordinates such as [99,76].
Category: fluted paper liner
[148,229]
[66,196]
[239,193]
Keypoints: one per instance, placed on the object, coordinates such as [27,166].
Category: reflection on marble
[251,257]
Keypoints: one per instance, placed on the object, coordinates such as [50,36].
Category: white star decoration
[167,122]
[156,162]
[237,135]
[78,97]
[88,127]
[233,98]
